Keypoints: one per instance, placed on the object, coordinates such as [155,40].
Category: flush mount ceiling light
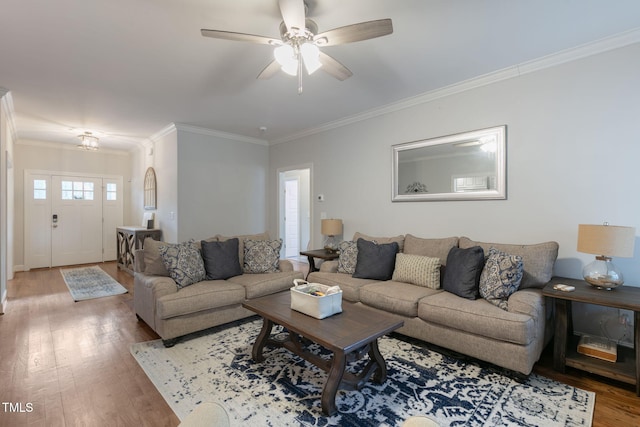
[88,141]
[299,42]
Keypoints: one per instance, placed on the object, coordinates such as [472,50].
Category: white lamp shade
[310,55]
[331,227]
[607,240]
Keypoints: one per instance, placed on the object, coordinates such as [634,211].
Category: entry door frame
[27,186]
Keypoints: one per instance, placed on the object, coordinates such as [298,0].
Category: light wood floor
[71,361]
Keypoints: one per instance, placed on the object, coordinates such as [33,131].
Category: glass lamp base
[602,274]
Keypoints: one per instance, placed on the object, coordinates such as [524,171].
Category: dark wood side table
[318,253]
[131,238]
[627,367]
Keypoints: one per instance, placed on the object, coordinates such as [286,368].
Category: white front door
[76,217]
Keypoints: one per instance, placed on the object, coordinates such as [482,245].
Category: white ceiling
[128,68]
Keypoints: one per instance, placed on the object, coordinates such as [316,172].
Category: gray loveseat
[173,311]
[512,336]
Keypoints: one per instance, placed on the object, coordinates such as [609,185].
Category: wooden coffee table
[349,335]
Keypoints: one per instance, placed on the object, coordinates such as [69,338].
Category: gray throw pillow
[221,259]
[183,262]
[501,277]
[375,261]
[462,276]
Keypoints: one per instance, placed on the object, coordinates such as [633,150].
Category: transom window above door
[77,190]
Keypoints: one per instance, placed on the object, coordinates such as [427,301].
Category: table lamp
[331,228]
[605,241]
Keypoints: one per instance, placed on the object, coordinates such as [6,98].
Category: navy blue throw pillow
[462,275]
[375,261]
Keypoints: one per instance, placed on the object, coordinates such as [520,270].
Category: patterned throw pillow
[261,256]
[417,269]
[183,262]
[500,277]
[348,257]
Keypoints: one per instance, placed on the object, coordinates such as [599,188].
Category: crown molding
[219,134]
[572,54]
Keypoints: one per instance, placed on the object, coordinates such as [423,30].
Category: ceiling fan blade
[293,14]
[333,67]
[241,37]
[269,71]
[355,32]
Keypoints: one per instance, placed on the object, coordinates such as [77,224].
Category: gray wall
[207,183]
[572,157]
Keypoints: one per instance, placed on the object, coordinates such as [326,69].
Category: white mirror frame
[499,190]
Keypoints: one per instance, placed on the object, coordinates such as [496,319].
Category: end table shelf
[130,238]
[627,368]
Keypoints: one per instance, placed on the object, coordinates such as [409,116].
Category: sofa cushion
[183,262]
[153,265]
[478,317]
[418,270]
[437,248]
[348,257]
[375,261]
[221,259]
[261,256]
[257,285]
[464,267]
[395,297]
[381,240]
[538,259]
[349,285]
[501,277]
[200,296]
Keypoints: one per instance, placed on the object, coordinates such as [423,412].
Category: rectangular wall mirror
[464,166]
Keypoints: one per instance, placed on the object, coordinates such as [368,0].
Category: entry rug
[90,282]
[285,390]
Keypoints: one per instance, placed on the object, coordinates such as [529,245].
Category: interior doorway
[294,210]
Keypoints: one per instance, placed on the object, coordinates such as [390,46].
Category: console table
[627,367]
[130,238]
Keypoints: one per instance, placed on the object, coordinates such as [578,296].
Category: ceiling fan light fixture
[311,57]
[286,57]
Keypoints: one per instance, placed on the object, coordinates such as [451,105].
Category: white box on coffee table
[328,304]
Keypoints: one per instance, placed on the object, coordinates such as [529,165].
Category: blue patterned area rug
[284,390]
[90,282]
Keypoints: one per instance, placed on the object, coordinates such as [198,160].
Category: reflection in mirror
[465,166]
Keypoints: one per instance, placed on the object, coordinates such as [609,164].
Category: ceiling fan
[299,42]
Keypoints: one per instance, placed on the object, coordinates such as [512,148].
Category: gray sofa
[512,337]
[173,311]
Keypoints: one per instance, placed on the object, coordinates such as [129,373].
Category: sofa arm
[138,260]
[528,301]
[329,266]
[285,265]
[146,291]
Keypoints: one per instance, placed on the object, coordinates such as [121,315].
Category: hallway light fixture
[88,141]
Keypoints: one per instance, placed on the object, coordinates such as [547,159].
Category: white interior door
[292,217]
[112,213]
[37,219]
[76,216]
